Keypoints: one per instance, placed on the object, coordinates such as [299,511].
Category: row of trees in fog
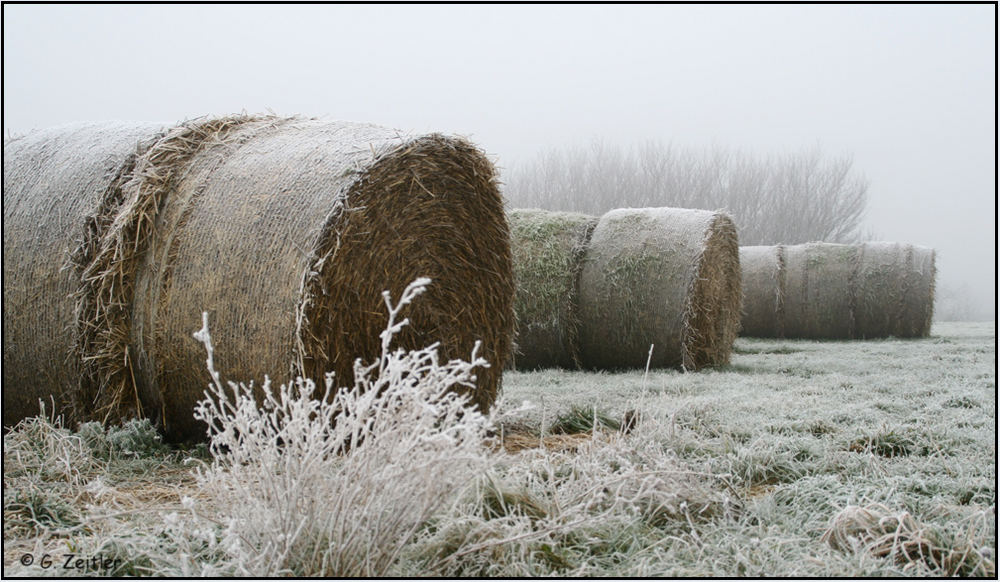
[777,199]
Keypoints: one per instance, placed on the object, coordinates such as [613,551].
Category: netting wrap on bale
[763,290]
[288,240]
[838,291]
[548,249]
[287,231]
[895,290]
[109,260]
[55,183]
[663,276]
[820,290]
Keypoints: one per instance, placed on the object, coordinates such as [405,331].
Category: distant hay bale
[895,290]
[820,290]
[547,249]
[663,276]
[55,182]
[763,291]
[287,231]
[919,298]
[838,291]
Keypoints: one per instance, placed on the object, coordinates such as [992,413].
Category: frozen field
[803,429]
[801,458]
[778,383]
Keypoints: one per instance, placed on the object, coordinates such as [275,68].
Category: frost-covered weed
[134,439]
[41,448]
[337,483]
[34,511]
[739,471]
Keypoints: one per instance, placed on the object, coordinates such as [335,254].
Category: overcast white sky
[909,90]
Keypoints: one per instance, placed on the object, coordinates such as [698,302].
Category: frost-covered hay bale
[663,276]
[548,250]
[287,231]
[55,180]
[763,291]
[820,290]
[919,298]
[895,295]
[109,262]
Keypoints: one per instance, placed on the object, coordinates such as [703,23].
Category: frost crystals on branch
[337,485]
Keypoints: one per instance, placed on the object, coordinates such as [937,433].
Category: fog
[908,90]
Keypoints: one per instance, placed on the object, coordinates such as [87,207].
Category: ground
[799,458]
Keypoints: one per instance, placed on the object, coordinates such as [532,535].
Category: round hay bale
[763,291]
[548,249]
[55,183]
[109,261]
[663,276]
[820,290]
[287,232]
[919,297]
[895,295]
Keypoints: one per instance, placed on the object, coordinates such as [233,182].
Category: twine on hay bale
[55,181]
[548,249]
[288,232]
[763,291]
[663,276]
[837,291]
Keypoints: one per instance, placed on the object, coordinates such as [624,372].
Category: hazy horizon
[909,91]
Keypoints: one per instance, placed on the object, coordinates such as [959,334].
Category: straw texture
[663,276]
[55,181]
[289,237]
[286,231]
[820,290]
[548,249]
[108,263]
[763,291]
[895,290]
[835,291]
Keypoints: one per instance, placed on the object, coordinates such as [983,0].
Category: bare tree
[787,199]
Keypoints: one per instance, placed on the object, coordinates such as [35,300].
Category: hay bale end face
[286,231]
[763,291]
[548,249]
[288,234]
[663,276]
[55,183]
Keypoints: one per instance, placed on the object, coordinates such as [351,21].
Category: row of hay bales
[597,292]
[838,291]
[286,230]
